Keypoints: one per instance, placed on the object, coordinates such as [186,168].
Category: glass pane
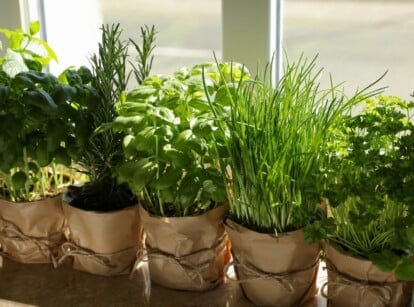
[357,41]
[188,31]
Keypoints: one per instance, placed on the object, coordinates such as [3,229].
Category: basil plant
[37,116]
[172,141]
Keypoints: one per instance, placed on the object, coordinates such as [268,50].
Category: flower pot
[31,232]
[186,253]
[274,271]
[102,243]
[357,282]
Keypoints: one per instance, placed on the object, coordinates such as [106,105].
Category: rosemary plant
[275,137]
[144,61]
[102,151]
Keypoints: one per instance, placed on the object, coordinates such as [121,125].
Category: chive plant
[275,138]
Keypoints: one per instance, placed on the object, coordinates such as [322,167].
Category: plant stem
[26,171]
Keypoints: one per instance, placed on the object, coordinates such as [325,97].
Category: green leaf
[141,93]
[44,58]
[183,138]
[176,157]
[13,63]
[386,260]
[42,155]
[405,269]
[16,38]
[62,157]
[137,173]
[203,127]
[34,27]
[188,191]
[56,134]
[169,194]
[41,99]
[209,186]
[121,123]
[168,179]
[19,180]
[197,145]
[33,167]
[133,108]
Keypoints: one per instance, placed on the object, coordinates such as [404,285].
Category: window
[357,41]
[188,31]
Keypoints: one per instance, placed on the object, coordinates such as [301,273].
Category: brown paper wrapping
[357,282]
[274,271]
[31,232]
[102,243]
[186,253]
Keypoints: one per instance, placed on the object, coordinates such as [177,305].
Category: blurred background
[356,41]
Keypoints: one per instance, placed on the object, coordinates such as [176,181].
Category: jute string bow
[193,271]
[70,249]
[382,292]
[45,245]
[285,279]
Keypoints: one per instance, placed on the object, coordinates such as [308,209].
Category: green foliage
[37,117]
[370,184]
[144,60]
[169,146]
[274,139]
[101,152]
[25,51]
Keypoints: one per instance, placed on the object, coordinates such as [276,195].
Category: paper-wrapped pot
[186,253]
[354,281]
[274,271]
[102,243]
[31,232]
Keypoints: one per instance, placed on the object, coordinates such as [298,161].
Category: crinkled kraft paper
[31,232]
[357,282]
[274,271]
[187,253]
[102,243]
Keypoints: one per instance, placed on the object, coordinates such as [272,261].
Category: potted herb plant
[273,138]
[172,164]
[34,153]
[104,231]
[370,242]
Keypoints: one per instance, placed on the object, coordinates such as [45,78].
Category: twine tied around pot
[70,249]
[193,272]
[285,279]
[382,292]
[45,245]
